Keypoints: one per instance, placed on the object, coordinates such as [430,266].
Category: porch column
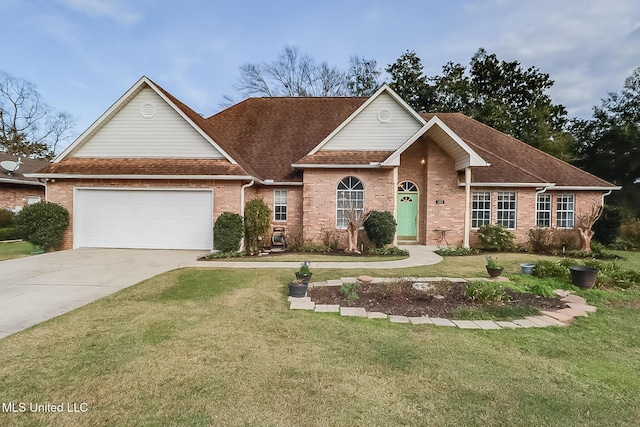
[395,203]
[467,204]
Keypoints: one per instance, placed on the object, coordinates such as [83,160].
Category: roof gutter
[372,165]
[130,176]
[21,181]
[509,184]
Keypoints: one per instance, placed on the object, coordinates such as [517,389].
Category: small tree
[585,223]
[227,232]
[380,228]
[43,224]
[355,219]
[257,220]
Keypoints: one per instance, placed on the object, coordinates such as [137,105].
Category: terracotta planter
[583,277]
[494,272]
[298,290]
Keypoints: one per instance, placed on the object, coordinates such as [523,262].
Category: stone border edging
[577,306]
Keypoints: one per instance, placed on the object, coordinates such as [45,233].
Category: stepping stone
[302,305]
[551,320]
[431,279]
[572,312]
[327,308]
[383,280]
[559,316]
[487,324]
[583,307]
[442,322]
[498,279]
[539,323]
[353,312]
[365,279]
[509,325]
[334,282]
[376,315]
[398,319]
[420,321]
[317,284]
[345,280]
[454,279]
[301,299]
[561,292]
[525,323]
[465,324]
[574,299]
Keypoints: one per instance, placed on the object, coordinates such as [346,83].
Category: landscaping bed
[445,299]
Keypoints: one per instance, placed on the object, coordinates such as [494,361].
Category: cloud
[113,9]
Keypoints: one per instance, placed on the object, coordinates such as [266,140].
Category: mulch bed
[401,299]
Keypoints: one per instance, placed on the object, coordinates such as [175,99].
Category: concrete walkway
[418,255]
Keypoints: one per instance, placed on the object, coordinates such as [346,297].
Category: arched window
[407,187]
[350,195]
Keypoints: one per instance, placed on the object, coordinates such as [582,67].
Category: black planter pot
[583,277]
[298,290]
[306,278]
[494,272]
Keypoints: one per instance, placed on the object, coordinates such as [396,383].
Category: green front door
[407,216]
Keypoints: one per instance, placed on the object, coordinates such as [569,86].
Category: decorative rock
[423,287]
[365,279]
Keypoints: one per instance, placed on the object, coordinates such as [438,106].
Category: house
[16,189]
[152,173]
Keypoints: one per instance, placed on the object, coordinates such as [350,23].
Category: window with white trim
[349,195]
[506,210]
[543,210]
[280,205]
[565,206]
[480,208]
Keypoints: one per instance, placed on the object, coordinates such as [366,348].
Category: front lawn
[219,347]
[15,250]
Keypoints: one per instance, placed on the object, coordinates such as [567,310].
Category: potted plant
[298,288]
[304,274]
[493,268]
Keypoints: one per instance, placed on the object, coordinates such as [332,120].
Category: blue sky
[84,54]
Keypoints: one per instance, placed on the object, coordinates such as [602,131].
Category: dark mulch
[399,298]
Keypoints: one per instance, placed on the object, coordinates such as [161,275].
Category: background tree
[28,126]
[408,81]
[608,144]
[363,76]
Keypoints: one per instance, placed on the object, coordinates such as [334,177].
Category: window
[506,212]
[543,210]
[350,195]
[280,205]
[480,208]
[407,186]
[33,199]
[565,206]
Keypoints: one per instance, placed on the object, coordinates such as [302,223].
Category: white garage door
[154,219]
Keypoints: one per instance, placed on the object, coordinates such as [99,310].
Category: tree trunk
[352,234]
[585,239]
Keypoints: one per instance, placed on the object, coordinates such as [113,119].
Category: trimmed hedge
[43,224]
[227,232]
[380,227]
[9,233]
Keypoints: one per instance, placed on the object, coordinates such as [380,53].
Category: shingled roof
[513,161]
[27,166]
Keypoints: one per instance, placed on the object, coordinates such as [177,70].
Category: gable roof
[514,161]
[18,177]
[273,133]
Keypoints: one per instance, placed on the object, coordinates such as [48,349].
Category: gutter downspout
[467,199]
[605,195]
[242,207]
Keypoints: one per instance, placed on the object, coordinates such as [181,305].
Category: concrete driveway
[37,288]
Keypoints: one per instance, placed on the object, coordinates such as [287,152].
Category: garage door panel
[157,219]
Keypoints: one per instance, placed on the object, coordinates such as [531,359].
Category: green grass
[312,257]
[202,347]
[15,250]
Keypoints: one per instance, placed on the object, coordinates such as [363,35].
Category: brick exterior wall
[13,196]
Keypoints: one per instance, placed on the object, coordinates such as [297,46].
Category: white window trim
[538,210]
[340,226]
[285,204]
[481,210]
[559,197]
[514,210]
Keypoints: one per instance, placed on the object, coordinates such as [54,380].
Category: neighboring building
[152,173]
[16,189]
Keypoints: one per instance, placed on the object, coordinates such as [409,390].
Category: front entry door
[407,216]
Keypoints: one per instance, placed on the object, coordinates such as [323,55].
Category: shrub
[330,238]
[312,247]
[380,227]
[388,251]
[43,224]
[483,291]
[630,233]
[546,269]
[496,237]
[7,218]
[227,232]
[459,251]
[9,234]
[553,240]
[257,220]
[349,291]
[295,241]
[606,229]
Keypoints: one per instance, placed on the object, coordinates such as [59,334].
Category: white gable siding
[366,132]
[129,134]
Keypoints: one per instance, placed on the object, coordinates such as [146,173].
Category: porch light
[422,161]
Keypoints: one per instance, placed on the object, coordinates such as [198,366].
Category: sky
[84,54]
